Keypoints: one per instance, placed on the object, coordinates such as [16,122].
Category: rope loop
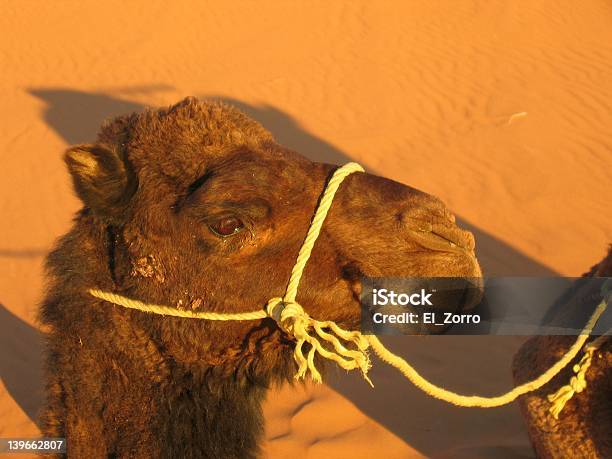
[274,308]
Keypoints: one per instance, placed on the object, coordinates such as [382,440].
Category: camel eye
[227,226]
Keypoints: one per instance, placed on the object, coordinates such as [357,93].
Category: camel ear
[102,179]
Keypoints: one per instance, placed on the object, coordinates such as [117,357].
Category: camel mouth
[473,295]
[447,295]
[468,300]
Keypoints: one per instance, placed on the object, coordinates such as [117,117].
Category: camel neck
[198,419]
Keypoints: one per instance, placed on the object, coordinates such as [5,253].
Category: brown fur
[121,383]
[584,428]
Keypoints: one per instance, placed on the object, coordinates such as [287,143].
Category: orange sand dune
[501,108]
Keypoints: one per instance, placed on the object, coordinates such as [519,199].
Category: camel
[584,427]
[197,207]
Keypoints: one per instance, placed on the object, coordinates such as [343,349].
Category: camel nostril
[455,235]
[423,221]
[437,224]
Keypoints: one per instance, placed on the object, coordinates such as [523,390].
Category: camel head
[197,207]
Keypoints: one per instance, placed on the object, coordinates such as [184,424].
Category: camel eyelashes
[227,226]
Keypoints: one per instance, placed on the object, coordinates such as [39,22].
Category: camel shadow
[418,420]
[77,115]
[288,132]
[21,362]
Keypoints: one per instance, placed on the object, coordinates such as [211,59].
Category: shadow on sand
[76,115]
[410,415]
[21,362]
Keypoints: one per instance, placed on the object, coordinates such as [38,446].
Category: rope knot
[293,320]
[289,315]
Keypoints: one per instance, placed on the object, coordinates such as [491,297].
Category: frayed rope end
[576,385]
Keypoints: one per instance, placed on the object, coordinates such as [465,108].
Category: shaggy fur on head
[584,427]
[121,383]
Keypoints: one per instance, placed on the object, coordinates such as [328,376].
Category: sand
[500,108]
